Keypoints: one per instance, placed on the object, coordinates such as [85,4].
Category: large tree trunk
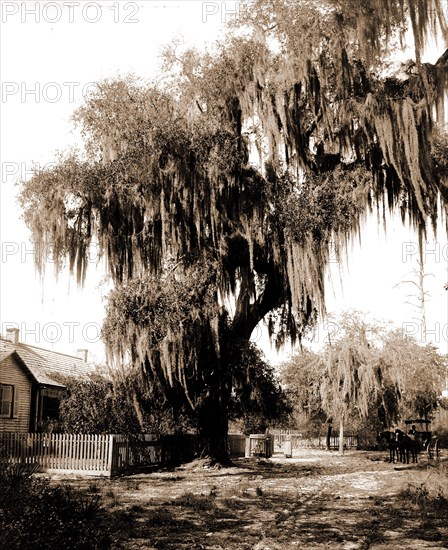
[212,430]
[212,412]
[212,408]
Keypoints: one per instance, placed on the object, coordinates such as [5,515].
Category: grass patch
[198,503]
[159,517]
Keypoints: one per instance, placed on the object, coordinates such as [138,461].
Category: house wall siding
[11,373]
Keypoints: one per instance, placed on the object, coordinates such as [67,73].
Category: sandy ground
[315,500]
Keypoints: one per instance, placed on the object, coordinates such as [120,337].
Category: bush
[119,404]
[432,494]
[35,514]
[258,400]
[440,423]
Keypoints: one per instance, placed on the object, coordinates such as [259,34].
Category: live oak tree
[201,242]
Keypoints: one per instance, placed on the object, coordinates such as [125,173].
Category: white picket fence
[108,455]
[65,453]
[100,455]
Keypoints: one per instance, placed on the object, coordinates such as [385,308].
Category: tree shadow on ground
[259,504]
[270,470]
[242,520]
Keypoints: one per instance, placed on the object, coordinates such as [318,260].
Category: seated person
[413,431]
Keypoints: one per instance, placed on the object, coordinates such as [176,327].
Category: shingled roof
[46,366]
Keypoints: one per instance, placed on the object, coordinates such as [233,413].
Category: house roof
[45,366]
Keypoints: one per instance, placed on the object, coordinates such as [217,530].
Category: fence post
[247,449]
[288,446]
[110,459]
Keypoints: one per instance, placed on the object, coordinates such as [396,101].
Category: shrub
[35,514]
[432,493]
[118,403]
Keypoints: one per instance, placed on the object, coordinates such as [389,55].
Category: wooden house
[30,384]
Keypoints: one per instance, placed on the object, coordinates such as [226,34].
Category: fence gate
[286,439]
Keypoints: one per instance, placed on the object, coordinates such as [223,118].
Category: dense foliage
[217,200]
[37,514]
[367,377]
[300,377]
[258,400]
[417,372]
[126,402]
[119,404]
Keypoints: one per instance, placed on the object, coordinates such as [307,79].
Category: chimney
[13,335]
[82,354]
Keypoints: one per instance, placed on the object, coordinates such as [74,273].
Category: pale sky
[50,53]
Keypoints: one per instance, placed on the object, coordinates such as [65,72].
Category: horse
[408,446]
[392,444]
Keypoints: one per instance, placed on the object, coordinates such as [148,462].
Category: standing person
[329,432]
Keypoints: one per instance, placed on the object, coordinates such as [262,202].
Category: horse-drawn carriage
[429,441]
[406,444]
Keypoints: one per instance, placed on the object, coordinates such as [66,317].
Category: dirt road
[315,500]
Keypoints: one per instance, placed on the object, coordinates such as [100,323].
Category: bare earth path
[315,500]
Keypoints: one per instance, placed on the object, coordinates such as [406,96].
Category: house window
[7,400]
